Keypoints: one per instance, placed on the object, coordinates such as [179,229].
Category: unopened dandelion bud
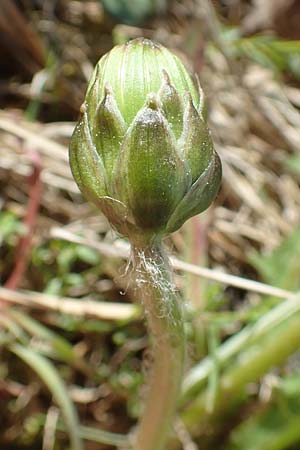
[142,152]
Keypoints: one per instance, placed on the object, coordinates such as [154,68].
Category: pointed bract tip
[165,76]
[83,108]
[107,90]
[153,102]
[201,96]
[188,100]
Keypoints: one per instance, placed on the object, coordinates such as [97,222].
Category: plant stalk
[157,294]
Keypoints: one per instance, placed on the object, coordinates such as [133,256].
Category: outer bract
[142,152]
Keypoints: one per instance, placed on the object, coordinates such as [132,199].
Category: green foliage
[293,163]
[52,379]
[63,265]
[36,344]
[50,343]
[238,343]
[10,227]
[35,423]
[282,267]
[127,381]
[276,54]
[275,426]
[59,267]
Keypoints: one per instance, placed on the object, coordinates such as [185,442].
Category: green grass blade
[48,373]
[59,348]
[197,377]
[100,436]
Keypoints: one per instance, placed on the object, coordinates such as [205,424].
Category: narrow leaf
[49,375]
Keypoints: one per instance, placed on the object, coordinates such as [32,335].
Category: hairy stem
[158,297]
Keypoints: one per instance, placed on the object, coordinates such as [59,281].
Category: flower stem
[158,297]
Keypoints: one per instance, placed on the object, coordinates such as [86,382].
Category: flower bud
[142,151]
